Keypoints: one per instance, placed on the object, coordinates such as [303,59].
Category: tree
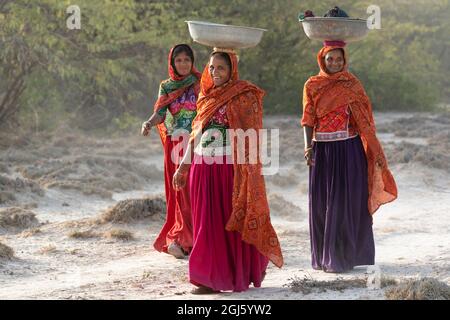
[108,72]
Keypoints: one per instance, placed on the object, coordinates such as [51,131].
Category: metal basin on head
[224,36]
[331,28]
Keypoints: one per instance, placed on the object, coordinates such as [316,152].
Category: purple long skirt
[339,220]
[219,259]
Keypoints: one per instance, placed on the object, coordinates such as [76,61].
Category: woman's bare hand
[309,157]
[145,130]
[179,180]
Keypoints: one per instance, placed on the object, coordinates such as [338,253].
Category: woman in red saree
[233,238]
[349,175]
[173,114]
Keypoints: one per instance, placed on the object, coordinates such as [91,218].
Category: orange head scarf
[174,87]
[250,211]
[324,93]
[211,98]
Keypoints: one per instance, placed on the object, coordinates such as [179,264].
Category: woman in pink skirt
[233,238]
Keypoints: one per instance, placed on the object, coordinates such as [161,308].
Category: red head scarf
[171,64]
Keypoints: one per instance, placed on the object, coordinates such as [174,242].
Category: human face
[334,61]
[183,64]
[219,70]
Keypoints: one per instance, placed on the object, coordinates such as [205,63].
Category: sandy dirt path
[69,180]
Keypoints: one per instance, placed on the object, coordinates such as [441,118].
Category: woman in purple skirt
[349,178]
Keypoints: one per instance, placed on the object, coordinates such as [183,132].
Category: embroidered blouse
[334,126]
[214,134]
[181,112]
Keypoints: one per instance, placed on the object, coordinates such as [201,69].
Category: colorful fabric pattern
[215,133]
[173,88]
[182,112]
[334,126]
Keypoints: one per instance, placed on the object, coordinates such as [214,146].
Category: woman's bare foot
[203,290]
[175,250]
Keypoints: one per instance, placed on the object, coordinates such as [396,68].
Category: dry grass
[91,175]
[17,218]
[81,187]
[433,156]
[307,285]
[6,196]
[422,289]
[30,233]
[303,188]
[148,274]
[418,125]
[48,249]
[78,224]
[86,234]
[283,208]
[285,181]
[130,210]
[73,251]
[9,187]
[119,234]
[31,205]
[3,167]
[387,281]
[433,128]
[6,252]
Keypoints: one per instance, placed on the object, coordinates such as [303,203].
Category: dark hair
[224,56]
[336,12]
[341,50]
[180,48]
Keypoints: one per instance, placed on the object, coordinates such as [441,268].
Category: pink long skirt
[219,259]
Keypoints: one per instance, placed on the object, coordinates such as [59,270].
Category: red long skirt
[178,225]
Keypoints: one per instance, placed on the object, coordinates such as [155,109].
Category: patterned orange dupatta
[250,214]
[326,92]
